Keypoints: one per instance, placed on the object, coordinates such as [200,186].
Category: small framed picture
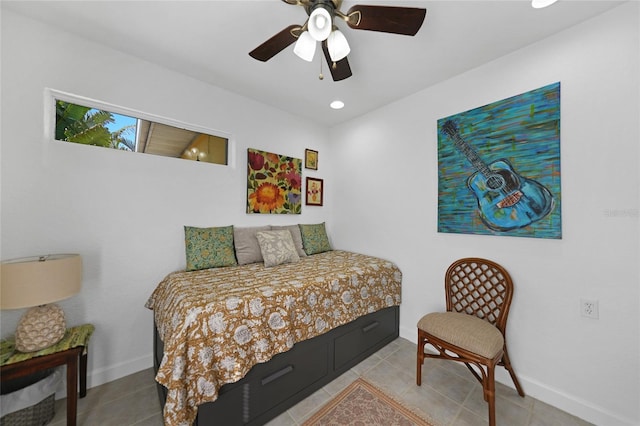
[315,189]
[310,159]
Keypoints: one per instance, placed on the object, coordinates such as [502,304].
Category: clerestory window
[95,123]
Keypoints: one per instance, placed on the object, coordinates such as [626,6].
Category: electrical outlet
[589,308]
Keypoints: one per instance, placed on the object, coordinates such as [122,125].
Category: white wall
[124,213]
[585,366]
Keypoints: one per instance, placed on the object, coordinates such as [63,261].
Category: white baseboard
[578,407]
[571,404]
[104,375]
[108,374]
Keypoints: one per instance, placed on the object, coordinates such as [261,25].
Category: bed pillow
[277,247]
[246,243]
[209,247]
[314,238]
[295,235]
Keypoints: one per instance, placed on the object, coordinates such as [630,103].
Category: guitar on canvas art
[506,200]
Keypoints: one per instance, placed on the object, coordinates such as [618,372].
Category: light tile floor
[449,395]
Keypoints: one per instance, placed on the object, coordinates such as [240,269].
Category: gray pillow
[295,235]
[277,247]
[246,244]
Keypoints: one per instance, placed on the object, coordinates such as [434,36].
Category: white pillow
[277,247]
[295,235]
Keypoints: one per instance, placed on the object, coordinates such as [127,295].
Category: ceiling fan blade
[341,70]
[275,44]
[386,19]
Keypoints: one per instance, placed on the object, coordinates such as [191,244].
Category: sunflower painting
[273,183]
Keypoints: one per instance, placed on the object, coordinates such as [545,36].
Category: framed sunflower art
[274,183]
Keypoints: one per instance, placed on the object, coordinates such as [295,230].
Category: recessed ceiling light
[539,4]
[337,104]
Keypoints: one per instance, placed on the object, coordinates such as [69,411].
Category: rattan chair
[478,294]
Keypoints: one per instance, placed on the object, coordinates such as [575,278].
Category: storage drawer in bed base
[271,388]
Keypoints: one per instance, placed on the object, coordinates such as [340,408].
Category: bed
[241,344]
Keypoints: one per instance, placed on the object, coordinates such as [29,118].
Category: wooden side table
[71,351]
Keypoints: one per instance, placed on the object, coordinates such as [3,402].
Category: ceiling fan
[319,26]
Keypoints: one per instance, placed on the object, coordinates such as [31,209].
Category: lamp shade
[305,47]
[33,281]
[338,46]
[320,23]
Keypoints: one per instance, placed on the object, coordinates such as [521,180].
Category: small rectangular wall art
[310,159]
[315,191]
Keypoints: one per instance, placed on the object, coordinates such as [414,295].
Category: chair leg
[475,374]
[489,386]
[419,360]
[507,364]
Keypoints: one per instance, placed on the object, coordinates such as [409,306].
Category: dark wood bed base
[272,387]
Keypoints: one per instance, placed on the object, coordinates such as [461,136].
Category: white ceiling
[210,40]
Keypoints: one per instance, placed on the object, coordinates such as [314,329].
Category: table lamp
[37,282]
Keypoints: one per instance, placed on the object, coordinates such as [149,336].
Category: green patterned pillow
[209,247]
[314,238]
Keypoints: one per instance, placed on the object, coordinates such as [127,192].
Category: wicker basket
[36,415]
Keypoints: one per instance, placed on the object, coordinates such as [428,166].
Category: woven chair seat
[464,331]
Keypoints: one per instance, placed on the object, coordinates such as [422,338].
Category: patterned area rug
[363,404]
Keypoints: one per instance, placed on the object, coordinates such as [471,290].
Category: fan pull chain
[321,76]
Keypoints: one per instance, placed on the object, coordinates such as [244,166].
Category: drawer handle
[370,327]
[246,393]
[275,376]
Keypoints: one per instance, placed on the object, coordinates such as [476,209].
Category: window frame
[52,95]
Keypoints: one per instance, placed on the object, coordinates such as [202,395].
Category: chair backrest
[479,287]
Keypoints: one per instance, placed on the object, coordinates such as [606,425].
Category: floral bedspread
[217,323]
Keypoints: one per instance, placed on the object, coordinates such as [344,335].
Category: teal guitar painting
[499,167]
[505,199]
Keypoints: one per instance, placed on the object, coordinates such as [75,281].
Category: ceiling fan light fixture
[338,46]
[320,22]
[337,104]
[305,47]
[539,4]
